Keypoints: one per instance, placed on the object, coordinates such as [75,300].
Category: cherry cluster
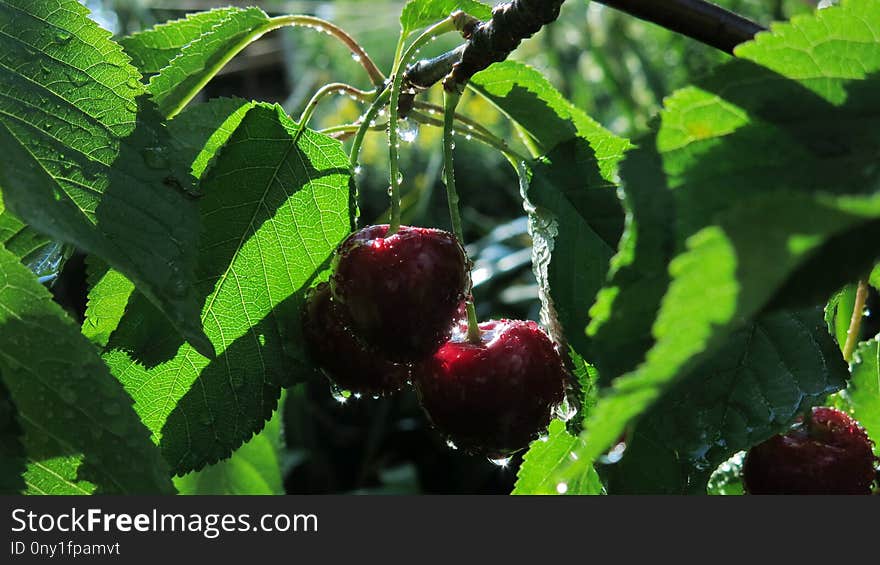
[393,313]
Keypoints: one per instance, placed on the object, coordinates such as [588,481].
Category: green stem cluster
[400,63]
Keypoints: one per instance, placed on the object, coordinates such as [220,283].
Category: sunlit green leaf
[753,387]
[254,468]
[80,432]
[273,212]
[199,60]
[423,13]
[86,158]
[771,167]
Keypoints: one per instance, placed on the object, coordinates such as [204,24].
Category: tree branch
[697,19]
[488,42]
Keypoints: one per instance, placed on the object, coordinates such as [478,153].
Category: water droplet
[376,397]
[390,191]
[399,178]
[355,57]
[62,36]
[562,488]
[408,130]
[358,170]
[133,83]
[565,410]
[78,78]
[452,145]
[502,462]
[339,395]
[450,444]
[468,137]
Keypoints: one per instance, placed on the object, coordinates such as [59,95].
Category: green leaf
[838,313]
[752,388]
[197,133]
[12,455]
[423,13]
[86,158]
[80,431]
[874,279]
[771,165]
[255,468]
[863,392]
[273,213]
[109,292]
[575,220]
[154,49]
[22,241]
[199,60]
[39,253]
[575,217]
[526,97]
[620,323]
[201,130]
[727,478]
[542,461]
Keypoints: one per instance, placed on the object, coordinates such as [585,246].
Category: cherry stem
[400,63]
[855,323]
[488,138]
[450,100]
[320,94]
[366,124]
[358,52]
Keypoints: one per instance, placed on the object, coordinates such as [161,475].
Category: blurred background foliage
[618,69]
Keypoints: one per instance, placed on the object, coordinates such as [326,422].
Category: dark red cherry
[495,396]
[402,292]
[344,357]
[829,454]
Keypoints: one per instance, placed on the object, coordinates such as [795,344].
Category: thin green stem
[400,62]
[855,322]
[450,100]
[351,129]
[366,123]
[272,24]
[358,53]
[470,124]
[487,138]
[323,92]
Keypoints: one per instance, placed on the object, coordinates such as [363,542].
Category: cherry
[829,454]
[403,291]
[343,356]
[495,396]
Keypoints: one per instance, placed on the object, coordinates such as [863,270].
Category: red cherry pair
[391,314]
